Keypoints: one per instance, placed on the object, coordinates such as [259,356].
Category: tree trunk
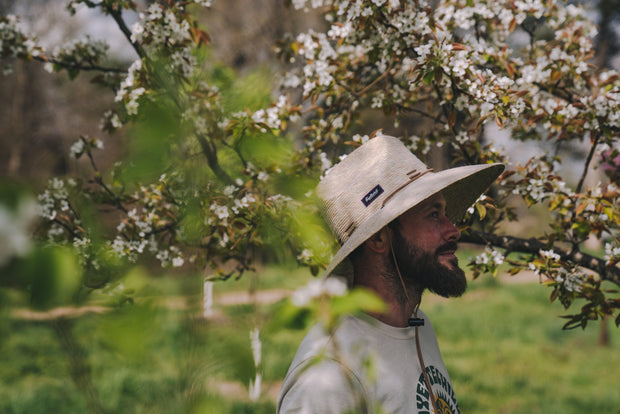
[78,365]
[603,336]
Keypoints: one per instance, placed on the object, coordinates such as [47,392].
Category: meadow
[502,343]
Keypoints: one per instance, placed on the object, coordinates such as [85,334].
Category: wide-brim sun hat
[381,180]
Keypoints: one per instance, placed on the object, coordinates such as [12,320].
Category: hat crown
[360,185]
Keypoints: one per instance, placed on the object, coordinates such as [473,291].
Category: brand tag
[372,195]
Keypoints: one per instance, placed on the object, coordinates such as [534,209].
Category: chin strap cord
[402,281]
[422,366]
[416,322]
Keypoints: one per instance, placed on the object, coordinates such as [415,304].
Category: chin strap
[402,281]
[417,322]
[421,360]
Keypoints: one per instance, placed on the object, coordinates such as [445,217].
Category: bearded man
[394,218]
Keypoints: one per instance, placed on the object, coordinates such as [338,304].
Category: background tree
[195,186]
[463,66]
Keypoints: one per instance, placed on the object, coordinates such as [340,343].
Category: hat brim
[460,186]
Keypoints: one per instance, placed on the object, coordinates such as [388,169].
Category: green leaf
[73,73]
[265,149]
[358,300]
[52,275]
[312,233]
[192,222]
[289,316]
[554,296]
[150,149]
[610,212]
[429,77]
[482,211]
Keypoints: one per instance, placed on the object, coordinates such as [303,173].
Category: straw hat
[381,180]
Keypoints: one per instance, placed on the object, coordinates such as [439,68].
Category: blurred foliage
[503,349]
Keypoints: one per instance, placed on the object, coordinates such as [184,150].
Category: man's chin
[450,282]
[454,291]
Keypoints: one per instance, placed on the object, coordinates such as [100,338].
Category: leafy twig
[77,66]
[533,246]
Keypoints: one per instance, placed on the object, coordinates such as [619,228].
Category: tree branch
[435,118]
[374,82]
[210,154]
[78,66]
[588,160]
[533,246]
[99,180]
[118,18]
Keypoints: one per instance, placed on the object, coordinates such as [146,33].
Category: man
[394,219]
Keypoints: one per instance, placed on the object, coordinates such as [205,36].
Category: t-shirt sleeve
[323,388]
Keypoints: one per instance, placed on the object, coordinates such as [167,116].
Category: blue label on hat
[372,195]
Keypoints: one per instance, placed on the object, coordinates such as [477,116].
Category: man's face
[424,243]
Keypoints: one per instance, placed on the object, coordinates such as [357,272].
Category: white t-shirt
[366,366]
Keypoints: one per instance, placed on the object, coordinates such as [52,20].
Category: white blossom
[612,252]
[229,190]
[325,162]
[77,149]
[490,256]
[361,139]
[571,280]
[221,212]
[377,100]
[224,240]
[15,229]
[305,255]
[550,254]
[332,286]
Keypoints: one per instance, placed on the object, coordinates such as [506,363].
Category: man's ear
[380,241]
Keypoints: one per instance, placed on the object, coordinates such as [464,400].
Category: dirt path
[244,297]
[236,298]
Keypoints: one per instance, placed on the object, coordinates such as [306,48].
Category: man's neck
[399,305]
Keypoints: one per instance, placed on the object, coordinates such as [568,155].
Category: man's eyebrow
[436,205]
[430,205]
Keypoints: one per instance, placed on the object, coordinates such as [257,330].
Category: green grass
[502,343]
[506,353]
[286,277]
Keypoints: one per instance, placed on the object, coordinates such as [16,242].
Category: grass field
[506,353]
[502,343]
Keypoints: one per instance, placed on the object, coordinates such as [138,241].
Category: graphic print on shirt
[446,400]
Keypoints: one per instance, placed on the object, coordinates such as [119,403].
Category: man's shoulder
[324,355]
[320,341]
[320,384]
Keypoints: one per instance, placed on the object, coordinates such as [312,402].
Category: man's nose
[450,231]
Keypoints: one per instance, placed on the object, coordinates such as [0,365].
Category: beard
[421,270]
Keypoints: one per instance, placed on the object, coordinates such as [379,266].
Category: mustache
[447,247]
